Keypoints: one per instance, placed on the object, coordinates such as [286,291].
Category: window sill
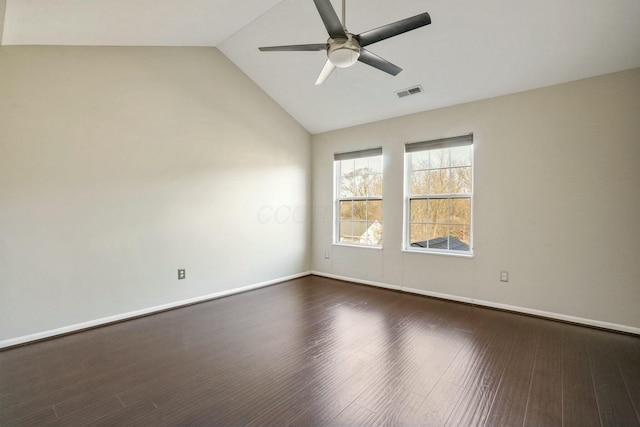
[428,252]
[355,245]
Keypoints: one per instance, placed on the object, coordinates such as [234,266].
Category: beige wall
[557,202]
[3,5]
[120,165]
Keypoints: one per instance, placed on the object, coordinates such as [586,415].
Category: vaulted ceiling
[472,50]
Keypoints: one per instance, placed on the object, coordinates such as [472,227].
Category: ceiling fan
[344,48]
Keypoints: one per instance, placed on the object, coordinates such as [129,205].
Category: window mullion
[440,196]
[359,199]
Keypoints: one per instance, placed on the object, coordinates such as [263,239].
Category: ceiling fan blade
[330,19]
[295,47]
[390,30]
[326,72]
[377,62]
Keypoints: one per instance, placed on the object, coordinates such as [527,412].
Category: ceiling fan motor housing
[343,53]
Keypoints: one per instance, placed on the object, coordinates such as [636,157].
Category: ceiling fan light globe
[343,57]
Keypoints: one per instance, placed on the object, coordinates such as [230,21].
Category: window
[438,195]
[358,201]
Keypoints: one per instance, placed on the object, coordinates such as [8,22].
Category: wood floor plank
[549,353]
[614,403]
[479,372]
[414,348]
[318,351]
[627,352]
[544,405]
[403,410]
[579,404]
[438,362]
[142,414]
[439,404]
[92,411]
[276,390]
[330,399]
[37,418]
[510,402]
[355,415]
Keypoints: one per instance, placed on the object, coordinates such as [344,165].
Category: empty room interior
[319,212]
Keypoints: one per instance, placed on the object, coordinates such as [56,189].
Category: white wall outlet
[182,273]
[504,276]
[327,254]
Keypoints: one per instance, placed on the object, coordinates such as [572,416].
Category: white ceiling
[472,50]
[128,22]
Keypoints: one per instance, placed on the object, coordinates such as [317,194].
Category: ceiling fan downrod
[344,14]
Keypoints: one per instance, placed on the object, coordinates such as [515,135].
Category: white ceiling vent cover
[410,91]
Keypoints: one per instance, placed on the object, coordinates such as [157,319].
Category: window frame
[464,140]
[338,199]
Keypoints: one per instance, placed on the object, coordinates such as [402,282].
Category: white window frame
[372,152]
[408,196]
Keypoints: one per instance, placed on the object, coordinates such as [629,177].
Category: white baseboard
[507,307]
[360,281]
[146,311]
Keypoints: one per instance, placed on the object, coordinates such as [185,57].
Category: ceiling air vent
[410,91]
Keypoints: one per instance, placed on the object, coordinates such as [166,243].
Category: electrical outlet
[182,274]
[327,254]
[504,276]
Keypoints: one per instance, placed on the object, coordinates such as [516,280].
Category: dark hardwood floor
[316,351]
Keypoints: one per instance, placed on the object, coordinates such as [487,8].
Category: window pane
[461,180]
[438,236]
[346,210]
[375,164]
[374,210]
[355,186]
[460,237]
[418,235]
[419,160]
[362,165]
[461,156]
[418,210]
[363,185]
[374,186]
[346,231]
[360,183]
[360,210]
[439,181]
[438,210]
[420,182]
[460,211]
[439,158]
[359,228]
[373,234]
[346,167]
[347,186]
